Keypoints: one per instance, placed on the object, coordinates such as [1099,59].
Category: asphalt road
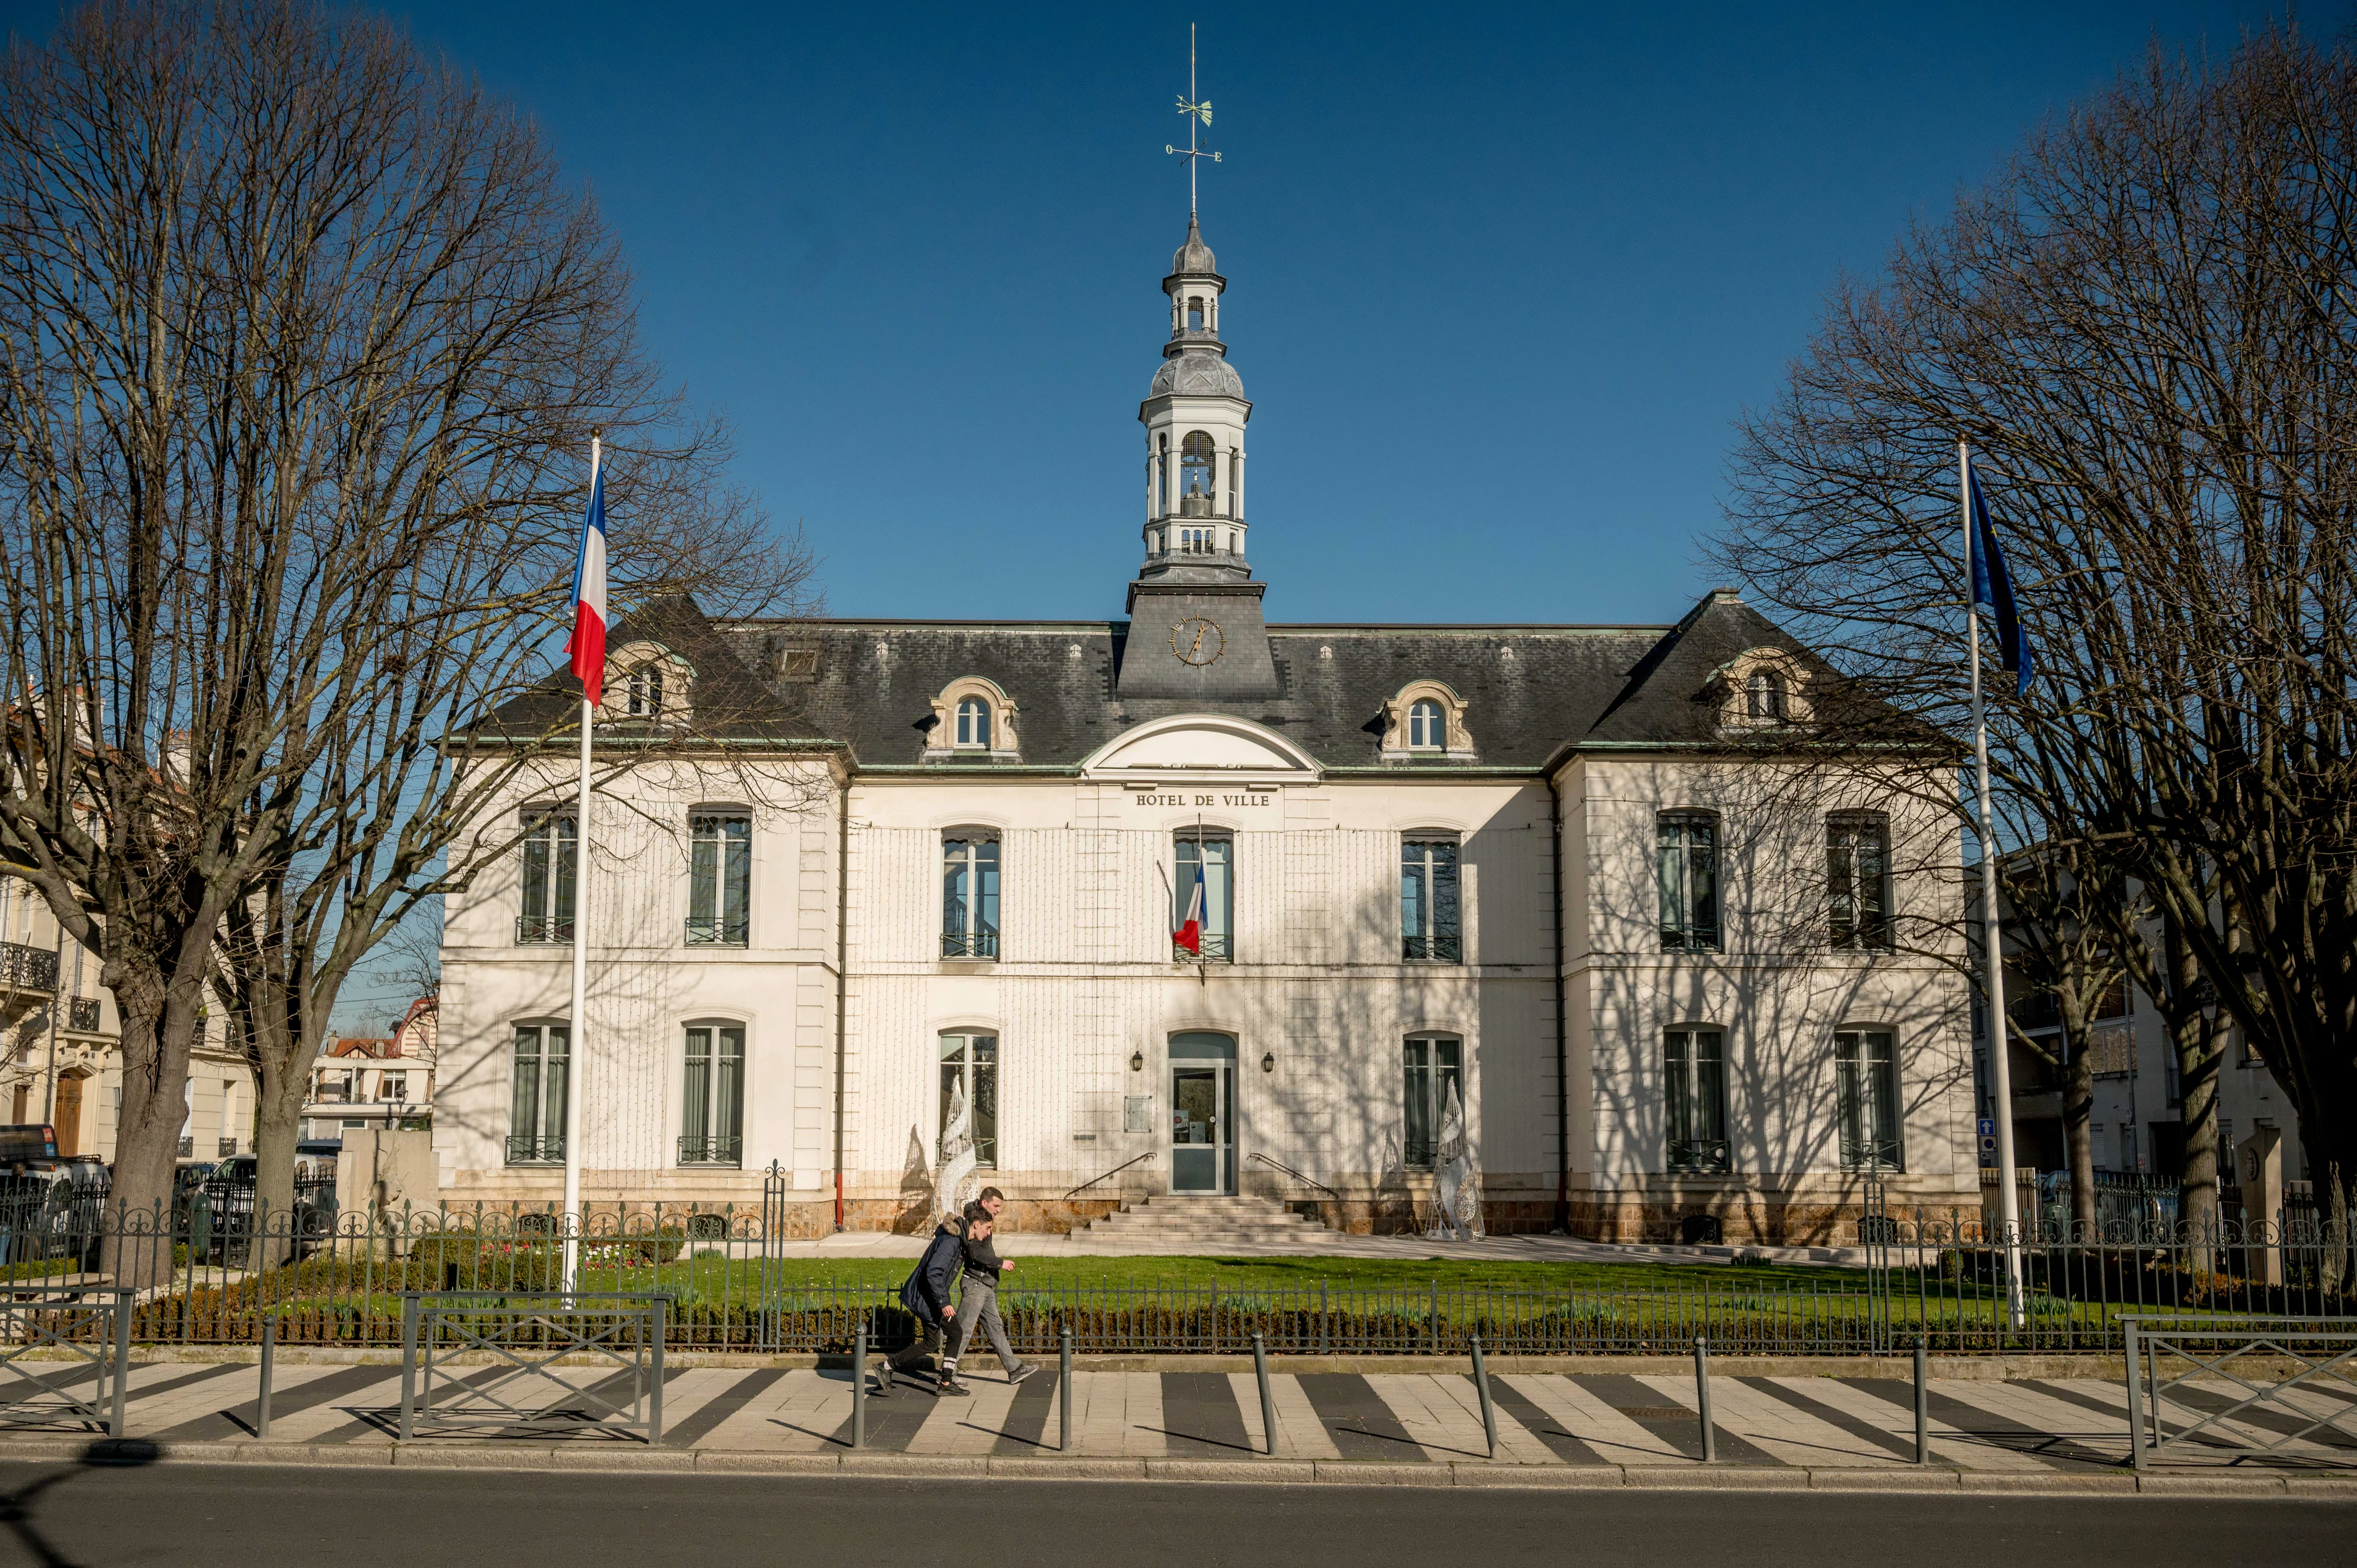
[231,1516]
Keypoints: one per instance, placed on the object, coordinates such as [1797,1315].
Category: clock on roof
[1197,640]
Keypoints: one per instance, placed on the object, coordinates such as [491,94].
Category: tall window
[1858,880]
[1435,1065]
[1428,906]
[1763,695]
[711,1096]
[1688,849]
[1194,314]
[1216,856]
[1195,458]
[647,692]
[1427,726]
[536,1069]
[973,723]
[548,868]
[719,880]
[1162,471]
[1693,1075]
[969,894]
[1866,1063]
[970,1062]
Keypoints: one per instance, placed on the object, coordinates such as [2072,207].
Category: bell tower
[1195,616]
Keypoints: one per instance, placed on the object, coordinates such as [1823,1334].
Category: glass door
[1202,1113]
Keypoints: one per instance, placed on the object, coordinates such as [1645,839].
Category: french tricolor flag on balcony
[1189,934]
[588,644]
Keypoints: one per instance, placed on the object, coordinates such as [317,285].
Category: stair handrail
[1295,1174]
[1116,1171]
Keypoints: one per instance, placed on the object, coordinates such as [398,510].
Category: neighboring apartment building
[360,1083]
[71,1075]
[1543,872]
[2136,1123]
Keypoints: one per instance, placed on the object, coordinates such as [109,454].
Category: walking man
[979,1297]
[926,1294]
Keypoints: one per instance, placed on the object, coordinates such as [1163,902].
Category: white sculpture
[955,1172]
[1456,1186]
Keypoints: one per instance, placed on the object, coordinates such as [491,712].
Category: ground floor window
[1866,1061]
[970,1065]
[1434,1066]
[537,1064]
[1693,1075]
[712,1100]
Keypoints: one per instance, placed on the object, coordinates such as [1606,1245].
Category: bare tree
[2145,321]
[301,343]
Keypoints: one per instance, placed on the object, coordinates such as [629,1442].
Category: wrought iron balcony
[727,933]
[228,1147]
[25,968]
[979,944]
[1871,1154]
[1698,1156]
[1440,947]
[1218,947]
[531,1150]
[540,931]
[187,1148]
[711,1150]
[81,1014]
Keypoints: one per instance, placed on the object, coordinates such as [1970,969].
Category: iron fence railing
[724,931]
[534,930]
[528,1150]
[969,944]
[208,1273]
[711,1149]
[81,1014]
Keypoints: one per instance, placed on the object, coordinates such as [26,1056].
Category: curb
[633,1459]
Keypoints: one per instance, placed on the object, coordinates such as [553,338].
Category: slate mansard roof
[1530,692]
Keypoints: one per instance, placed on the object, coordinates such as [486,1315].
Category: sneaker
[950,1387]
[1021,1373]
[884,1379]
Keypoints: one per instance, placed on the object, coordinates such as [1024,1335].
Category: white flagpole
[2000,1068]
[577,1052]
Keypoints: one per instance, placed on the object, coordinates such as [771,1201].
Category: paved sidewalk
[1392,1427]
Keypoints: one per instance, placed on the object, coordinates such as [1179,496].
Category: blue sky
[1500,278]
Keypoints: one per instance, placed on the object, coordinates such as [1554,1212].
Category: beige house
[60,1056]
[361,1082]
[1560,876]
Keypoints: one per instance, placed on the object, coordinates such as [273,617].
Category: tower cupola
[1194,416]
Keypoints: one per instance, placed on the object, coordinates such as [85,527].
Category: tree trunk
[2079,1146]
[278,1122]
[159,1028]
[2194,1037]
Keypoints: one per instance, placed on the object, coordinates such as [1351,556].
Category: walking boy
[980,1295]
[926,1294]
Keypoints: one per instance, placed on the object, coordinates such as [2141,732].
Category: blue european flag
[1993,588]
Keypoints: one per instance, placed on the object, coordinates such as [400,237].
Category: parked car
[50,1205]
[221,1223]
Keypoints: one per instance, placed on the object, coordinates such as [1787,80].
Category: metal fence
[2265,1388]
[731,1286]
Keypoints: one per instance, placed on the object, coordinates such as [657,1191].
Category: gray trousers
[978,1309]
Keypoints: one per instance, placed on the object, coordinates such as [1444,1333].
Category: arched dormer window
[1763,686]
[972,724]
[1425,721]
[973,721]
[1427,726]
[646,700]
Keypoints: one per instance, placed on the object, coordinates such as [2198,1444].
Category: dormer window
[972,724]
[1763,696]
[647,692]
[1762,686]
[1427,726]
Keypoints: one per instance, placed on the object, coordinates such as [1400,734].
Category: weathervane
[1199,115]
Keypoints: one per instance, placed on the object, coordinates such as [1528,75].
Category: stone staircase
[1205,1225]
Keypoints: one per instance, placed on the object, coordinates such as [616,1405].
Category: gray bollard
[1922,1408]
[1481,1385]
[1267,1400]
[1702,1398]
[261,1400]
[859,1385]
[1064,1391]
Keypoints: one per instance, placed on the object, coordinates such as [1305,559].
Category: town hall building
[1584,883]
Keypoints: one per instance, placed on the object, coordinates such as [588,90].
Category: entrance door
[69,1115]
[1202,1113]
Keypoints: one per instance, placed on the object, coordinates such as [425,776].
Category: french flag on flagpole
[588,644]
[1189,934]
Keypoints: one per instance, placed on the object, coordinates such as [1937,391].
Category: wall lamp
[1138,1061]
[1268,1061]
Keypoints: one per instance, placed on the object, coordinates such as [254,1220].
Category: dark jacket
[927,1290]
[982,1260]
